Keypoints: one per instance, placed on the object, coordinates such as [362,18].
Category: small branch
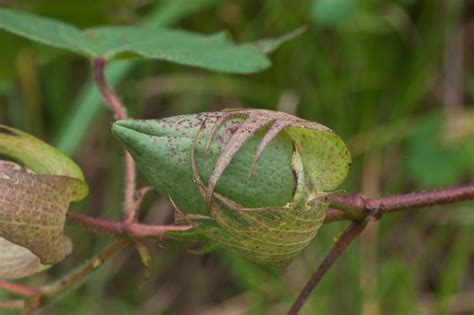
[38,297]
[12,305]
[360,209]
[112,101]
[131,206]
[356,207]
[123,229]
[17,288]
[351,233]
[50,291]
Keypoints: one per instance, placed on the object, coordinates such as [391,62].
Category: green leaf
[116,42]
[211,52]
[46,31]
[252,181]
[89,102]
[34,210]
[34,205]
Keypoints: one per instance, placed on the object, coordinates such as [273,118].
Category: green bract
[34,199]
[253,181]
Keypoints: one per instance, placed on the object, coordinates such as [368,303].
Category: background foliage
[393,78]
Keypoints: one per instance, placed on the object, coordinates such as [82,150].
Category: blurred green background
[394,78]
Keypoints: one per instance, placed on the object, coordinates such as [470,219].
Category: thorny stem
[351,233]
[123,229]
[112,101]
[356,207]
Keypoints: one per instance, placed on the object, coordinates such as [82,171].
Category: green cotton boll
[162,150]
[266,209]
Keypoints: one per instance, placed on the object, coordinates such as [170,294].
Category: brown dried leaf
[34,199]
[33,211]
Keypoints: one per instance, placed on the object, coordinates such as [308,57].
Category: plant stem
[12,305]
[38,297]
[360,209]
[131,207]
[112,101]
[48,292]
[124,231]
[356,207]
[352,231]
[17,288]
[334,215]
[122,228]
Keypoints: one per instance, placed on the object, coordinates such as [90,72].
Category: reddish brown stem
[112,101]
[17,288]
[123,229]
[356,207]
[131,206]
[333,215]
[351,233]
[12,305]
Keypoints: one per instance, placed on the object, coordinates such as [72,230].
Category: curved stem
[351,233]
[112,101]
